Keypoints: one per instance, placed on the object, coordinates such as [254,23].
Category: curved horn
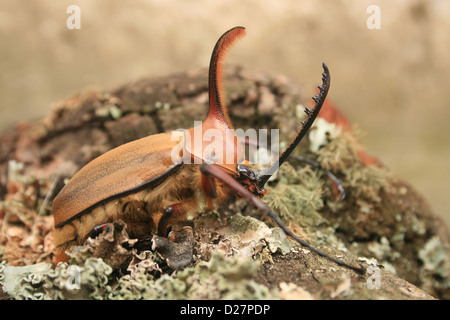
[217,108]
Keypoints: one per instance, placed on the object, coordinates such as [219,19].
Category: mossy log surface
[382,224]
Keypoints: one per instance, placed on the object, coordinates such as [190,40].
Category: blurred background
[393,82]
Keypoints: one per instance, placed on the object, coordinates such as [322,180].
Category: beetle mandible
[149,187]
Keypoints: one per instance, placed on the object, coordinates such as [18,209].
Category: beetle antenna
[306,125]
[217,108]
[233,184]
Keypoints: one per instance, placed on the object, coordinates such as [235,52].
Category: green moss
[297,196]
[363,183]
[339,153]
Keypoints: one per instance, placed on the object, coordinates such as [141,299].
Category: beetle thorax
[213,143]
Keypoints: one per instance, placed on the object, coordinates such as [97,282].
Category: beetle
[150,183]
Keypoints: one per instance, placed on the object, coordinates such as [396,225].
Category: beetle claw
[177,249]
[143,244]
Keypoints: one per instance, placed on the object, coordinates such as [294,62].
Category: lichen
[239,224]
[110,245]
[322,133]
[342,157]
[109,110]
[227,274]
[11,278]
[297,195]
[239,235]
[40,281]
[436,262]
[219,278]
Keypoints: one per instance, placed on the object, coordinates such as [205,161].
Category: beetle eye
[245,171]
[242,170]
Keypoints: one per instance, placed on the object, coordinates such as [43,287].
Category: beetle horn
[306,125]
[217,108]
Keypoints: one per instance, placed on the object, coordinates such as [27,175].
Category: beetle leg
[136,214]
[177,249]
[171,214]
[143,244]
[97,230]
[208,186]
[233,184]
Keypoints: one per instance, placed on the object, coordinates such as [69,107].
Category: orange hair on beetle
[217,108]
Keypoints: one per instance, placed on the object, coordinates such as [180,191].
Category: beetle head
[249,176]
[214,141]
